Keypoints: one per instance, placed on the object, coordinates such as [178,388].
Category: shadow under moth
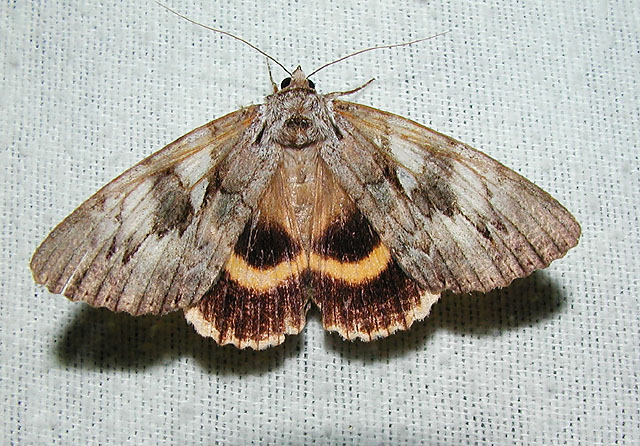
[245,221]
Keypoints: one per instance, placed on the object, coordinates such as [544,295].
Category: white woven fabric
[548,88]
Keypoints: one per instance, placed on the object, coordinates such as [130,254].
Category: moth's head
[297,80]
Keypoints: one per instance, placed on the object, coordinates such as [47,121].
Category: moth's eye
[311,84]
[285,82]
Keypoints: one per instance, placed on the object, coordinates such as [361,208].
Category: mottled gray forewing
[154,239]
[453,217]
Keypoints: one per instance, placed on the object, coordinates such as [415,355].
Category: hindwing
[260,296]
[360,288]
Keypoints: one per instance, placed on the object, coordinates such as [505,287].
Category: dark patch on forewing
[435,195]
[112,248]
[389,172]
[260,135]
[349,239]
[337,131]
[213,186]
[500,226]
[242,314]
[265,244]
[131,249]
[175,211]
[483,230]
[372,308]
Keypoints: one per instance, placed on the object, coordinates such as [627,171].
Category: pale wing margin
[453,217]
[154,239]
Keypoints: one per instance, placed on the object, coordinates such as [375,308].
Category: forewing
[154,239]
[453,217]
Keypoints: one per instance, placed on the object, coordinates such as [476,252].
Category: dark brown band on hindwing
[363,295]
[258,298]
[249,318]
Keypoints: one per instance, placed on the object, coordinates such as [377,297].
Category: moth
[244,222]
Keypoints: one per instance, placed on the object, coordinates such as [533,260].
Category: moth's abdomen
[300,174]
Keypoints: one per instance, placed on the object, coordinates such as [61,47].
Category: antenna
[226,34]
[376,48]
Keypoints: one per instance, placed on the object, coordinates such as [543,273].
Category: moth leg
[348,92]
[273,84]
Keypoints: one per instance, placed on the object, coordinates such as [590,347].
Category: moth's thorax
[298,117]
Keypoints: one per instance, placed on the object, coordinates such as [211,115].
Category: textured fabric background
[549,88]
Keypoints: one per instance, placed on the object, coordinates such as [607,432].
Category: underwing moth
[244,222]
